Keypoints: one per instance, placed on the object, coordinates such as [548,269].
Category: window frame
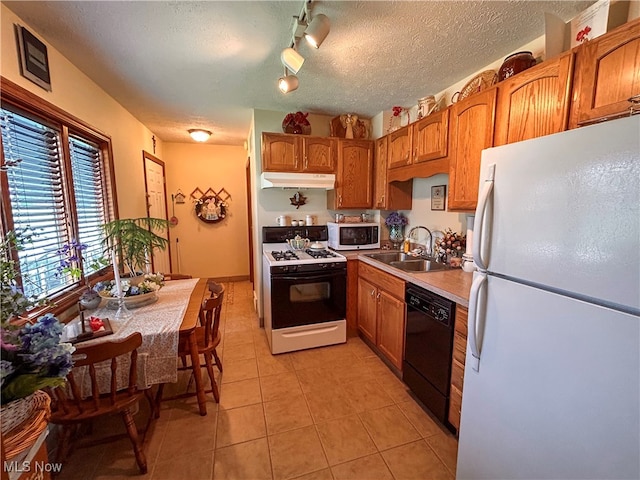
[12,95]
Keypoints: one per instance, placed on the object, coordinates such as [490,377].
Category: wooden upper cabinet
[472,127]
[430,137]
[388,196]
[400,147]
[283,152]
[280,152]
[380,174]
[607,75]
[354,175]
[319,155]
[535,102]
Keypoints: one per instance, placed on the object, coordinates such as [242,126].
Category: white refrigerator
[551,384]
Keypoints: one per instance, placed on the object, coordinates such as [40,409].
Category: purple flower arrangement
[33,357]
[396,219]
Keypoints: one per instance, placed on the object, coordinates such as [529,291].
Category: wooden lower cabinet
[367,309]
[381,312]
[390,327]
[352,297]
[457,366]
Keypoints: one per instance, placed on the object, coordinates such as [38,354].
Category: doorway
[157,207]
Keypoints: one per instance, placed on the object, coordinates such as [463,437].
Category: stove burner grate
[320,253]
[285,255]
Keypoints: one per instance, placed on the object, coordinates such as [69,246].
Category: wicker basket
[23,421]
[480,82]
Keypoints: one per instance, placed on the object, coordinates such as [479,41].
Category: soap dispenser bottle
[406,246]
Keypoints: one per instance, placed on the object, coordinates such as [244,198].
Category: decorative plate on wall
[211,209]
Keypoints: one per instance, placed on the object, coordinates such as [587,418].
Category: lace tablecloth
[159,324]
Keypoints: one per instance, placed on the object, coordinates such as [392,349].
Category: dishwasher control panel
[433,305]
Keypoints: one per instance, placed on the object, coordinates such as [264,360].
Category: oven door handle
[307,278]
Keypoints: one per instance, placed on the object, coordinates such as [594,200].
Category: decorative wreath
[211,209]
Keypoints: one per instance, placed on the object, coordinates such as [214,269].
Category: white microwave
[353,236]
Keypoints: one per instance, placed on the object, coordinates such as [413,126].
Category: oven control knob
[293,268]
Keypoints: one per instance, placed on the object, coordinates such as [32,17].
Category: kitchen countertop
[452,284]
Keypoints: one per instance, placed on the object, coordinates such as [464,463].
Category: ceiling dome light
[199,135]
[288,83]
[291,59]
[317,30]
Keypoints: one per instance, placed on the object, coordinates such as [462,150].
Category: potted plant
[134,239]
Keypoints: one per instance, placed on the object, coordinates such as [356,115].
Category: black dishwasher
[428,348]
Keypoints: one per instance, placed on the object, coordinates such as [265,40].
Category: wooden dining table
[162,329]
[188,330]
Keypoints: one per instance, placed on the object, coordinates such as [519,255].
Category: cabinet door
[430,137]
[355,174]
[390,327]
[319,155]
[400,147]
[472,122]
[380,175]
[280,152]
[535,102]
[607,75]
[367,307]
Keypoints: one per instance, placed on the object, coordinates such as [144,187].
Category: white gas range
[304,291]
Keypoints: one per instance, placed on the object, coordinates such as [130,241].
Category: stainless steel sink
[407,262]
[389,257]
[419,265]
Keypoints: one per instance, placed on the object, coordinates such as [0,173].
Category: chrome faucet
[430,250]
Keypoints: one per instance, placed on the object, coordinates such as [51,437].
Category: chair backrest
[89,356]
[215,288]
[210,315]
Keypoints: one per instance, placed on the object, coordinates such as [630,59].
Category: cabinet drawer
[459,348]
[461,320]
[387,282]
[457,374]
[455,407]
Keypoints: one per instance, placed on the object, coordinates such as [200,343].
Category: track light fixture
[199,135]
[287,83]
[291,59]
[315,32]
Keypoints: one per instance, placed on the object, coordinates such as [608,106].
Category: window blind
[36,195]
[88,181]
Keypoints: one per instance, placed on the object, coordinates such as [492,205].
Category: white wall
[208,249]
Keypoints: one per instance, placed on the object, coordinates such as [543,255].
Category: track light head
[291,59]
[288,83]
[317,30]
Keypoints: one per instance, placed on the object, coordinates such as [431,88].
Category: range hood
[297,180]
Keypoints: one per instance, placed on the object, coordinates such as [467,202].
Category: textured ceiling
[182,64]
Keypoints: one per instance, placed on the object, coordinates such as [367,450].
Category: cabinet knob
[306,162]
[373,292]
[378,295]
[340,200]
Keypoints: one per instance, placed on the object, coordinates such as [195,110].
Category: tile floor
[328,413]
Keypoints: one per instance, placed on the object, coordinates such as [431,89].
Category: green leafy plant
[135,239]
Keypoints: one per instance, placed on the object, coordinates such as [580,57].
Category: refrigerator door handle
[479,232]
[476,307]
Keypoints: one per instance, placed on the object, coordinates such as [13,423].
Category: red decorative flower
[397,111]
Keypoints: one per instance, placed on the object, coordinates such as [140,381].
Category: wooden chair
[214,288]
[208,338]
[70,408]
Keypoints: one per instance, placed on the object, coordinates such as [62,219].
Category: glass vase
[396,235]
